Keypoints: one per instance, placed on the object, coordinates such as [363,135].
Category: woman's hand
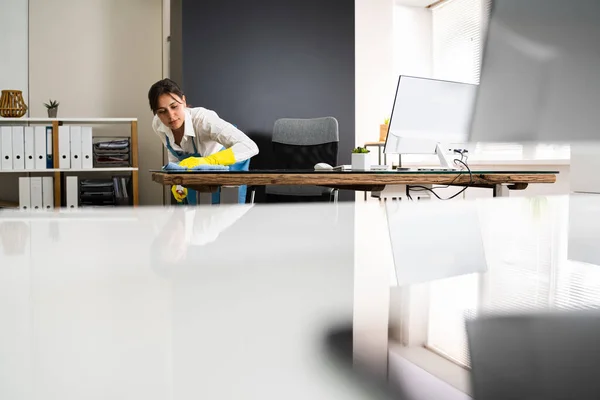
[179,192]
[223,157]
[192,162]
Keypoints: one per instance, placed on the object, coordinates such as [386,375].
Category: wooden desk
[208,181]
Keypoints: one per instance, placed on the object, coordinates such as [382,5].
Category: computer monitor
[540,78]
[427,113]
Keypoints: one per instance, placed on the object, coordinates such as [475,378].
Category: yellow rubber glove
[223,157]
[192,162]
[179,192]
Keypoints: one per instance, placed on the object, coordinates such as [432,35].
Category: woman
[195,136]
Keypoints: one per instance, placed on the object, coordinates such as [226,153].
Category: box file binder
[72,190]
[49,148]
[24,194]
[18,147]
[87,152]
[29,148]
[64,147]
[39,147]
[35,185]
[6,139]
[75,147]
[48,192]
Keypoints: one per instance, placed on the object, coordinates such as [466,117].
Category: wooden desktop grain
[352,181]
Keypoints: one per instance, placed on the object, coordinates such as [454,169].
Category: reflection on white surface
[87,313]
[526,242]
[432,241]
[185,228]
[102,304]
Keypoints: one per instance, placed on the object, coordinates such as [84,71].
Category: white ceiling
[415,3]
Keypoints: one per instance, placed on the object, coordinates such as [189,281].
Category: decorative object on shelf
[360,159]
[383,130]
[52,106]
[12,104]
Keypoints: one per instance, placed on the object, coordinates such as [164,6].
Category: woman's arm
[209,123]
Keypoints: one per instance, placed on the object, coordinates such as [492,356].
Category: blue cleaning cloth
[176,167]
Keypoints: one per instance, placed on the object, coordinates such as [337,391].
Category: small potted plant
[383,130]
[52,107]
[360,159]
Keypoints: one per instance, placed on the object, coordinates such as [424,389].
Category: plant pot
[52,112]
[383,131]
[360,162]
[12,104]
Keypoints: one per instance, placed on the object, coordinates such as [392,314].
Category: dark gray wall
[176,42]
[256,61]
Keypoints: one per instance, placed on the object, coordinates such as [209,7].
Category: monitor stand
[442,157]
[444,163]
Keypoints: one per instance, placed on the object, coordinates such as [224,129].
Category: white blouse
[210,133]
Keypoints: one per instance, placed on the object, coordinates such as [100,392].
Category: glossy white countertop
[233,302]
[173,304]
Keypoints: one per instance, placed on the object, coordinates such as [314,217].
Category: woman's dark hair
[164,86]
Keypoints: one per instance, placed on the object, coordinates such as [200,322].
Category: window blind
[577,286]
[458,39]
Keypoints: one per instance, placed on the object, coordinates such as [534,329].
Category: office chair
[300,144]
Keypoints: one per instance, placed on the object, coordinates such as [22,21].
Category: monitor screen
[427,112]
[540,77]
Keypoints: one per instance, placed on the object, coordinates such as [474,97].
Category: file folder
[49,148]
[87,159]
[35,185]
[29,148]
[18,147]
[75,147]
[64,147]
[24,194]
[72,190]
[6,139]
[48,192]
[39,147]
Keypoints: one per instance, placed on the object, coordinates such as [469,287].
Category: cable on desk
[423,188]
[408,193]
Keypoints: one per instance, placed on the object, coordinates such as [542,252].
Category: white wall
[99,58]
[390,40]
[13,69]
[13,46]
[413,52]
[375,89]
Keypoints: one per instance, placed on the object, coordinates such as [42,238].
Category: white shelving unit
[71,120]
[41,171]
[56,122]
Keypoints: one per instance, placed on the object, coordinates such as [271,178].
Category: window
[456,42]
[458,30]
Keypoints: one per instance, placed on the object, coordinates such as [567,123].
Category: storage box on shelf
[61,145]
